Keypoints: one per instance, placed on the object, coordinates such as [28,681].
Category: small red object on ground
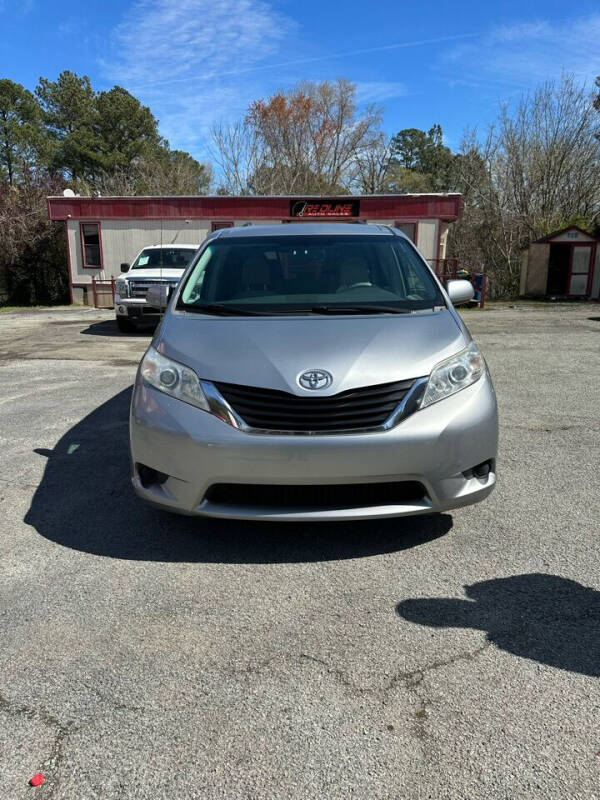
[37,779]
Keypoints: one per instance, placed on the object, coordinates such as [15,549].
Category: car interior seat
[354,272]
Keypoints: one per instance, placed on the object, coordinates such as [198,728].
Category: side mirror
[460,292]
[158,295]
[124,267]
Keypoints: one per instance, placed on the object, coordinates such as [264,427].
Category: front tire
[126,325]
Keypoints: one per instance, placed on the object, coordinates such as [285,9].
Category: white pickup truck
[157,264]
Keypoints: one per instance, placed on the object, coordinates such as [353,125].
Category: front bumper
[437,447]
[135,308]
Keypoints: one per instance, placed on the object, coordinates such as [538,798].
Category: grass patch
[32,308]
[21,308]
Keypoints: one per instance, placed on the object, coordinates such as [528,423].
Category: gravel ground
[144,656]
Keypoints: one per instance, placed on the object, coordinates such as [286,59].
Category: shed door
[580,268]
[558,268]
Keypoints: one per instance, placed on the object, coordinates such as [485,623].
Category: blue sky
[197,61]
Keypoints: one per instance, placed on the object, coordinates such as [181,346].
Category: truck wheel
[126,325]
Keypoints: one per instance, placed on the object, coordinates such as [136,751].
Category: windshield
[310,274]
[171,257]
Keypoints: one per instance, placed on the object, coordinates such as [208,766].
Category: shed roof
[587,236]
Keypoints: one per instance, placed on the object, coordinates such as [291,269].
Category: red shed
[563,264]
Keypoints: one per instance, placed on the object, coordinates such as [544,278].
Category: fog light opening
[149,476]
[481,471]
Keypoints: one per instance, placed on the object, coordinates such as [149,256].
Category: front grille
[139,289]
[355,409]
[316,497]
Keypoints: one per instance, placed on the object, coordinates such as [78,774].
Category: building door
[558,269]
[579,275]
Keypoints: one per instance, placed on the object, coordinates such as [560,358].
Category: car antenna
[161,260]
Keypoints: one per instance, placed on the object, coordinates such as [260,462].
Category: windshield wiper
[366,309]
[224,310]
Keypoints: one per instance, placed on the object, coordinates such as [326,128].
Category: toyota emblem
[315,379]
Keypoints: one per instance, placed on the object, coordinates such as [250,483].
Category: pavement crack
[413,680]
[340,674]
[414,677]
[256,667]
[115,704]
[52,763]
[15,710]
[410,679]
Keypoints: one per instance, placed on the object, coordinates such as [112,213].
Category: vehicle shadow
[108,327]
[544,618]
[85,501]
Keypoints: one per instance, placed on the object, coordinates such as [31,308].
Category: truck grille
[316,497]
[139,289]
[355,409]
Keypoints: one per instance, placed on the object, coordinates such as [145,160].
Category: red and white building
[103,232]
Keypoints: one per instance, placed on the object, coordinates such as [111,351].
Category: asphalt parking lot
[149,656]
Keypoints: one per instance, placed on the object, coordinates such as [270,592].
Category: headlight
[173,379]
[122,287]
[454,374]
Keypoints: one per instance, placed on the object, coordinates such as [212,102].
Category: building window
[90,245]
[409,229]
[215,226]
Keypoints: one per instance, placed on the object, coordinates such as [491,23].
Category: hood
[154,273]
[271,352]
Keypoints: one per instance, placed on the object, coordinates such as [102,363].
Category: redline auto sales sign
[324,208]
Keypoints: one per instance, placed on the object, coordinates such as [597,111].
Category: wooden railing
[451,268]
[103,292]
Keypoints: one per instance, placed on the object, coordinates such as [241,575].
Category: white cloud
[195,61]
[163,40]
[378,91]
[521,55]
[183,59]
[186,116]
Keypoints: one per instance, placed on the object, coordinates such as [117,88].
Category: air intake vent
[356,409]
[320,497]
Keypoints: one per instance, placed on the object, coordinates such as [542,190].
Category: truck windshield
[309,274]
[171,257]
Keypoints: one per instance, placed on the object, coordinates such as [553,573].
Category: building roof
[252,197]
[575,228]
[404,207]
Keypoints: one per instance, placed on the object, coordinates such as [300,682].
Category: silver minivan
[315,371]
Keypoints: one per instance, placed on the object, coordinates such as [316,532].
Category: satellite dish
[68,193]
